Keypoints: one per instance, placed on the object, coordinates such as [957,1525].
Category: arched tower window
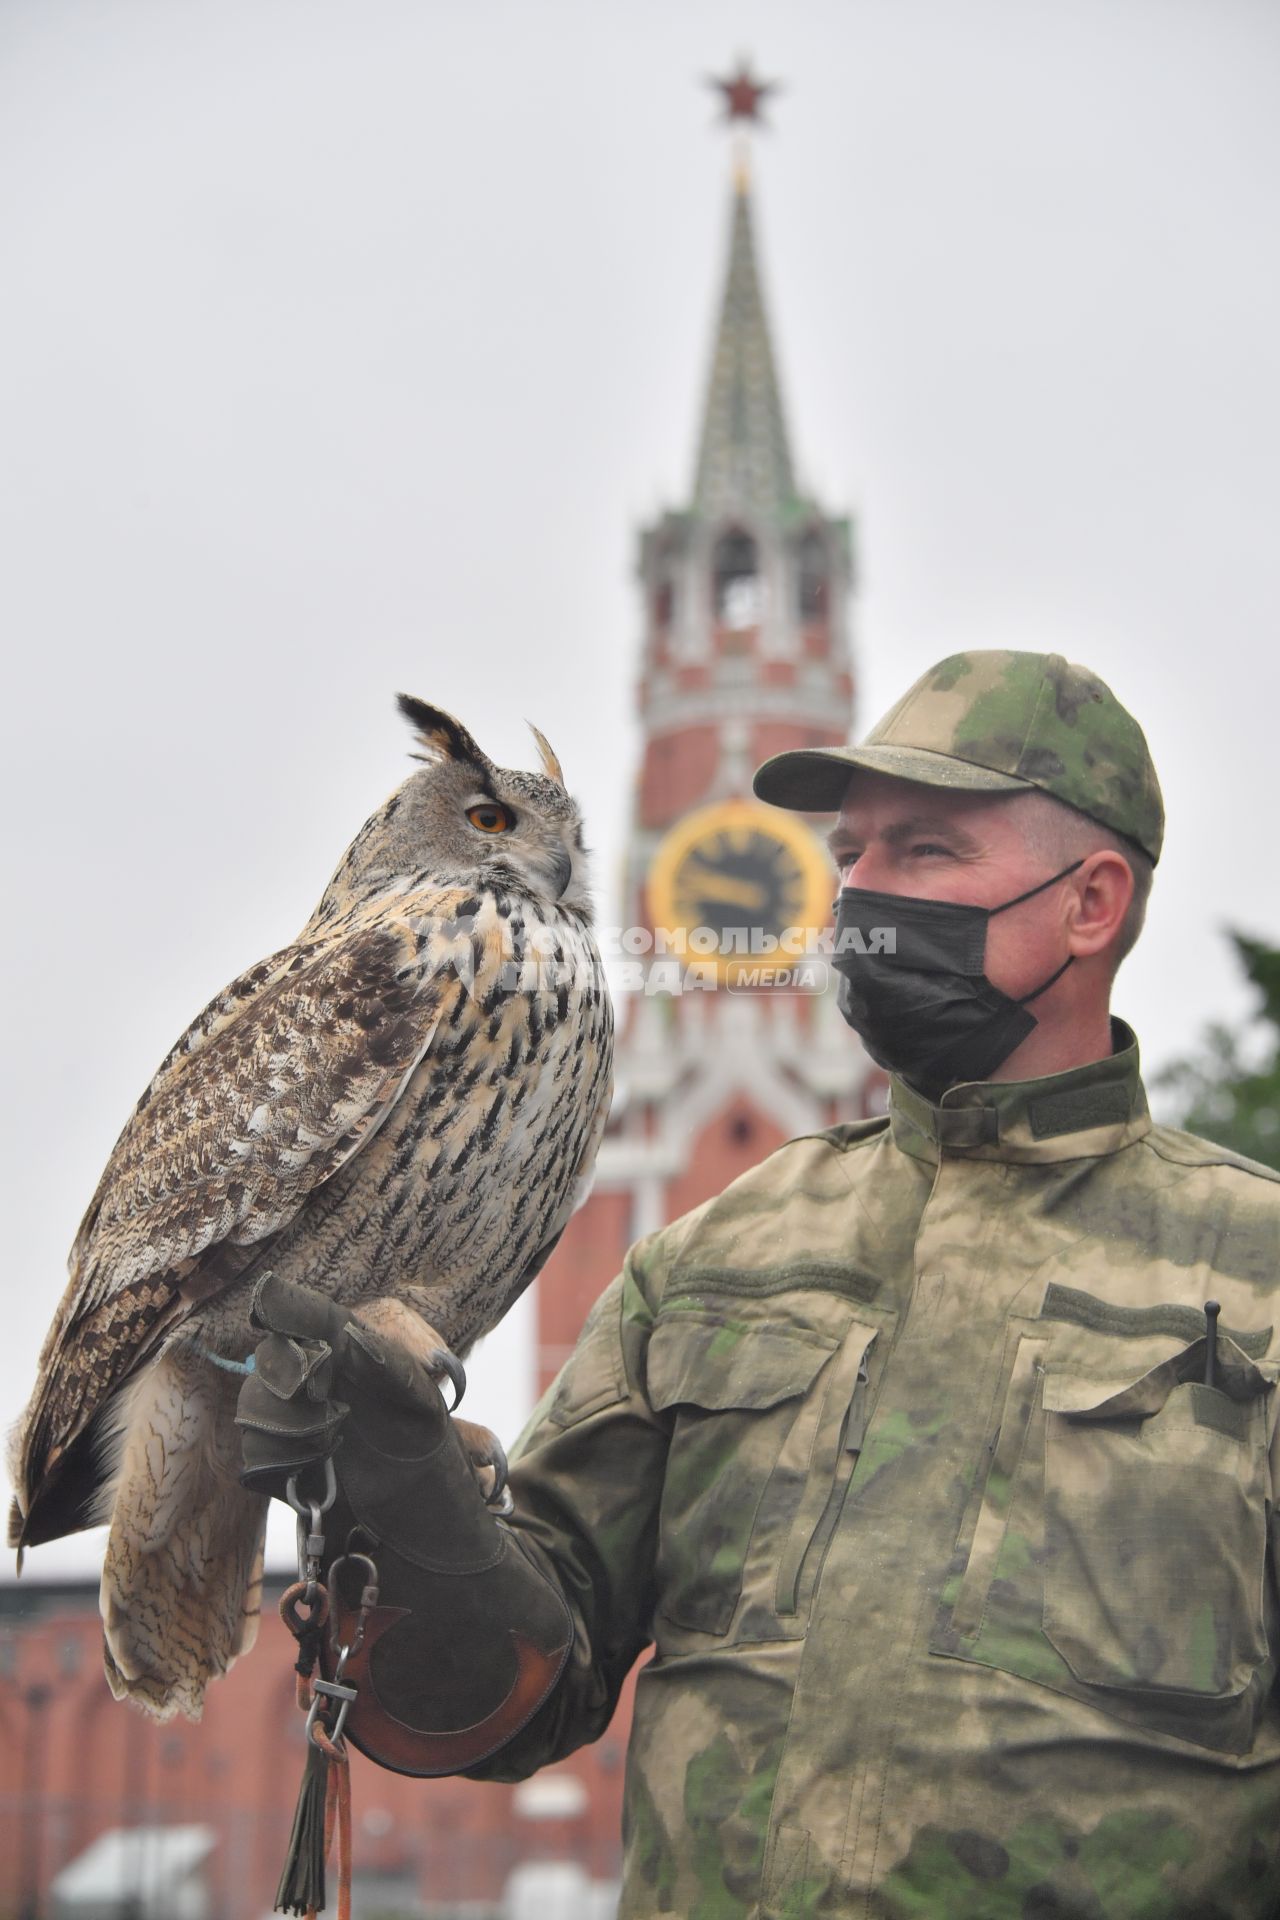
[736,583]
[811,577]
[664,604]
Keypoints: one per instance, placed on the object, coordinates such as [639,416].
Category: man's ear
[1102,891]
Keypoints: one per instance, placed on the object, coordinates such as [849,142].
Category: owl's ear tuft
[547,755]
[442,737]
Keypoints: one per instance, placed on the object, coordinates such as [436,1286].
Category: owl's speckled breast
[473,1172]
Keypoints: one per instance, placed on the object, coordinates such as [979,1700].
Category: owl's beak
[561,870]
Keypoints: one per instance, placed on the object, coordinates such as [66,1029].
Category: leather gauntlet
[468,1636]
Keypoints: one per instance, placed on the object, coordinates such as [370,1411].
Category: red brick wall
[80,1763]
[676,774]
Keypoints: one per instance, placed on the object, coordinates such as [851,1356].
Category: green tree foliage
[1229,1090]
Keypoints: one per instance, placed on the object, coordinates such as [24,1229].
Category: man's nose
[867,871]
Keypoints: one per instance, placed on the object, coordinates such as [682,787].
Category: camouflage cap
[995,723]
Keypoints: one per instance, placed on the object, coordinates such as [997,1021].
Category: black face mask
[926,1009]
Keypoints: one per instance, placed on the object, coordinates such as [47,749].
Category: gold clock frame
[736,816]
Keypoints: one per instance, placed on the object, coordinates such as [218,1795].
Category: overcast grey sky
[343,348]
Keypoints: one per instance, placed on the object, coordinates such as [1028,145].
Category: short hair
[1061,834]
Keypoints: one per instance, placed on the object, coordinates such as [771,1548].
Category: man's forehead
[878,800]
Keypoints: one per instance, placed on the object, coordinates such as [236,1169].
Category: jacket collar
[1083,1113]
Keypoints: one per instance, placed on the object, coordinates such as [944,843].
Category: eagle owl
[401,1109]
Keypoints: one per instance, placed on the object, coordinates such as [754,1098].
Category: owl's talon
[405,1327]
[488,1461]
[449,1363]
[499,1491]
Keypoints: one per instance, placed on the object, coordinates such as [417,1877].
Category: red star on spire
[744,95]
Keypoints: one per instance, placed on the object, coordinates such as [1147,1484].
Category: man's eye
[930,848]
[491,818]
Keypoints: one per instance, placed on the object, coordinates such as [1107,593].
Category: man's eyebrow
[935,825]
[903,830]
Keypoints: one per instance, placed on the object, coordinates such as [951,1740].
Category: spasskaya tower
[727,1045]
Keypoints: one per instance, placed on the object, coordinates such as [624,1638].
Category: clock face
[740,871]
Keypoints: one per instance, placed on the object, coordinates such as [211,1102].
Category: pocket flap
[1089,1398]
[709,1360]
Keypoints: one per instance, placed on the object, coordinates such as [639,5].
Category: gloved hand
[468,1636]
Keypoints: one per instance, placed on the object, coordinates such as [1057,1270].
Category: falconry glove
[468,1637]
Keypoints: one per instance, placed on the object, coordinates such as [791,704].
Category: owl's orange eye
[491,818]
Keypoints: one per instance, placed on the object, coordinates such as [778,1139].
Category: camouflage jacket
[900,1452]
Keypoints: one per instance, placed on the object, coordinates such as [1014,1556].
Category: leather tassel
[301,1889]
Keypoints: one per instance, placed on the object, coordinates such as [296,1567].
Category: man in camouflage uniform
[911,1452]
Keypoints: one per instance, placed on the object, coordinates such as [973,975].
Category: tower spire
[744,457]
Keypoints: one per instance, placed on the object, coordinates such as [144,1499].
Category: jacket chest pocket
[1156,1498]
[1119,1552]
[763,1416]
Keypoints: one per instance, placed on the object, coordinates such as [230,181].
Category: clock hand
[711,885]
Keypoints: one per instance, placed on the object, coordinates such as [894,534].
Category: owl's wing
[271,1091]
[231,1138]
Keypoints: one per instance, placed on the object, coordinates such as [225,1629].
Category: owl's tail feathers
[251,1607]
[17,1521]
[182,1579]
